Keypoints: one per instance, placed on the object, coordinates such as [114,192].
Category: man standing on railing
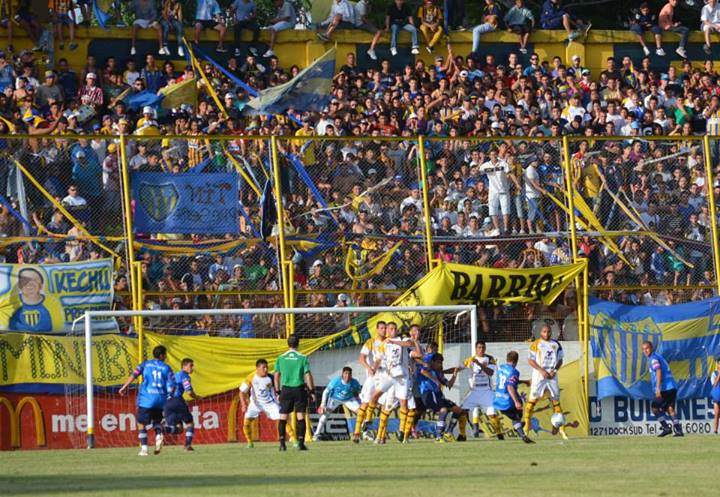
[498,172]
[292,376]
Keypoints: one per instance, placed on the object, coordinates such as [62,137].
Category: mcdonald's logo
[15,421]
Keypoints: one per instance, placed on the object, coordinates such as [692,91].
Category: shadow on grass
[63,484]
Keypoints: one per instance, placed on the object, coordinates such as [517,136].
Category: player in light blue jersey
[665,388]
[341,391]
[715,394]
[507,399]
[158,384]
[176,411]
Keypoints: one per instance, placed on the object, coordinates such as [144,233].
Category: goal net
[224,345]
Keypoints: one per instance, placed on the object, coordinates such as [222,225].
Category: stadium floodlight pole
[89,383]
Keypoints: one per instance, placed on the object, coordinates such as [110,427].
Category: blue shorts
[434,401]
[513,413]
[176,411]
[667,399]
[715,396]
[149,416]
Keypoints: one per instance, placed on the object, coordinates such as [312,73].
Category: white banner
[621,416]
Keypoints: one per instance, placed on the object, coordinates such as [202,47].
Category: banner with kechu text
[202,203]
[686,335]
[46,298]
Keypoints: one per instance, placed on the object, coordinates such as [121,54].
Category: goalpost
[450,324]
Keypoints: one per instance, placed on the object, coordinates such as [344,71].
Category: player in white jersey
[546,358]
[481,395]
[257,395]
[393,372]
[369,353]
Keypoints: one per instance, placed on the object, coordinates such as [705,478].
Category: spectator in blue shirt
[554,16]
[245,16]
[644,21]
[207,14]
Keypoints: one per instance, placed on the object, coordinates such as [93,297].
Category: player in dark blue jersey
[665,388]
[176,410]
[432,379]
[157,386]
[507,399]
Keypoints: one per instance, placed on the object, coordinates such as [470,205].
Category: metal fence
[365,217]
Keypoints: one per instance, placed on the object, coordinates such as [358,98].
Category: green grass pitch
[644,467]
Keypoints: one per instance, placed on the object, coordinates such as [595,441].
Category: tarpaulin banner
[47,298]
[686,335]
[221,363]
[204,203]
[455,284]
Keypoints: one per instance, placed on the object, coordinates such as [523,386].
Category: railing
[366,217]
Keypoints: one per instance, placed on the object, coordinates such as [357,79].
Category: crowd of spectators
[491,199]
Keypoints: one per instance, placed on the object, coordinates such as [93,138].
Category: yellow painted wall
[301,47]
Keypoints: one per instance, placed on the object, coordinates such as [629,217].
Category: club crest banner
[47,298]
[204,203]
[686,335]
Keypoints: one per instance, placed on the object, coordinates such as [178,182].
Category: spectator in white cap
[342,320]
[90,93]
[710,21]
[146,17]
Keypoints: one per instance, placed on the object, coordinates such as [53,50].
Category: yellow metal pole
[426,202]
[569,195]
[586,334]
[289,319]
[713,209]
[127,208]
[59,206]
[441,338]
[139,328]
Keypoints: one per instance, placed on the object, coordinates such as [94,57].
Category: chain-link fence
[364,218]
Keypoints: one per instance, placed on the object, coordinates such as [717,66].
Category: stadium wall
[301,47]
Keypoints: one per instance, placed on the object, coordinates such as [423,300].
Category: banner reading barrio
[47,298]
[449,284]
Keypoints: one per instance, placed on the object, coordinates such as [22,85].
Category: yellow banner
[221,364]
[184,92]
[455,284]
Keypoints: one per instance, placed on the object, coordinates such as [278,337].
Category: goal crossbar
[89,315]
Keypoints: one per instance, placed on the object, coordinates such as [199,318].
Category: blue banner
[686,335]
[205,204]
[308,91]
[47,298]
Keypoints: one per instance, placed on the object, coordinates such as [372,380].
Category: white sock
[321,424]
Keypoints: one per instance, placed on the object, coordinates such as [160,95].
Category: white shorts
[482,398]
[145,23]
[539,387]
[710,29]
[271,410]
[401,387]
[352,404]
[367,390]
[383,381]
[499,203]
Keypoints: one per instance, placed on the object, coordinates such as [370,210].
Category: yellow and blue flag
[308,91]
[686,335]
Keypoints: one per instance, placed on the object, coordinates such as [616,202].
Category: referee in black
[292,376]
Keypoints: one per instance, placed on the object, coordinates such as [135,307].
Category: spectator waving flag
[308,91]
[101,16]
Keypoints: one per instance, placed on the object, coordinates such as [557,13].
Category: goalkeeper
[341,391]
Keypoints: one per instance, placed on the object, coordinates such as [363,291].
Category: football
[557,420]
